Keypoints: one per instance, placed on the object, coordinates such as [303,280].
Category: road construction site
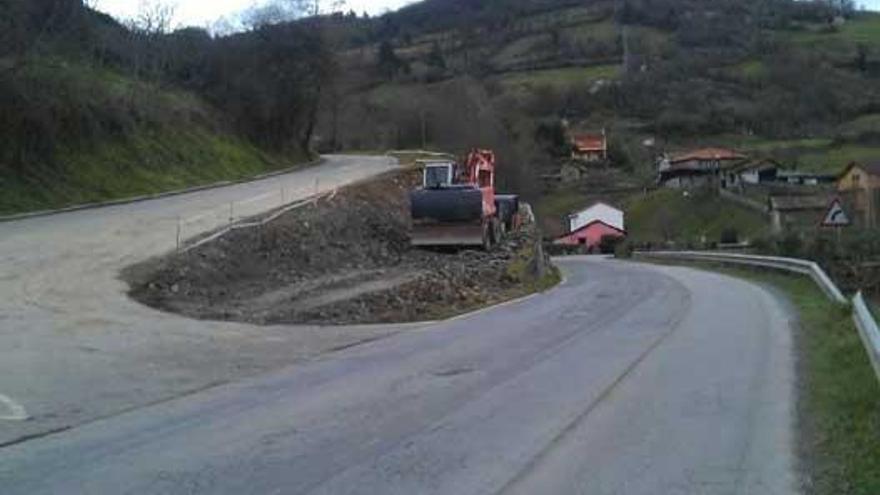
[341,259]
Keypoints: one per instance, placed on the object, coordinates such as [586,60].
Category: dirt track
[345,259]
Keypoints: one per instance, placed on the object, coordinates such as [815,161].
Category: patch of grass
[145,162]
[103,135]
[521,48]
[864,29]
[604,32]
[667,214]
[522,269]
[835,159]
[559,78]
[855,129]
[752,69]
[838,396]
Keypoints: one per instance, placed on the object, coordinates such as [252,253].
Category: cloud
[200,13]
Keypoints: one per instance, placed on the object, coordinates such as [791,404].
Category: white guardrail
[864,319]
[868,330]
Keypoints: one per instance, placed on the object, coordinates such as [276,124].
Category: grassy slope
[838,396]
[669,213]
[863,30]
[651,217]
[165,140]
[558,78]
[817,154]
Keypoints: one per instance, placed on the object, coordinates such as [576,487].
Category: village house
[751,172]
[796,211]
[859,187]
[589,148]
[588,227]
[697,168]
[801,178]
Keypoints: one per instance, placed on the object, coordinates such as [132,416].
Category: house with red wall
[587,227]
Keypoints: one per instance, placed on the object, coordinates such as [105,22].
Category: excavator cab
[438,174]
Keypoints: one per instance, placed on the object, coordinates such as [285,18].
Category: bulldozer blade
[447,235]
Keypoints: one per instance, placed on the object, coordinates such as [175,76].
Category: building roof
[707,154]
[597,222]
[802,202]
[589,142]
[872,168]
[757,165]
[608,214]
[800,174]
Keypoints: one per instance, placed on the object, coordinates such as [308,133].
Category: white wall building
[600,211]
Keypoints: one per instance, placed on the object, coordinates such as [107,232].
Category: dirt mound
[344,259]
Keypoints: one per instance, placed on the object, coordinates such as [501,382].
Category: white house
[598,212]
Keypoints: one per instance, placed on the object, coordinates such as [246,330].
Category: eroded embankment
[342,260]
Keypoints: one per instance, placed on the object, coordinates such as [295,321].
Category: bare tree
[276,11]
[154,19]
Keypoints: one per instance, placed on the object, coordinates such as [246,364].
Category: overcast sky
[203,12]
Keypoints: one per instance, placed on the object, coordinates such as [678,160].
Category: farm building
[697,168]
[797,211]
[859,187]
[799,178]
[588,227]
[751,172]
[589,148]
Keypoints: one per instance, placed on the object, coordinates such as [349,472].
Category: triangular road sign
[836,215]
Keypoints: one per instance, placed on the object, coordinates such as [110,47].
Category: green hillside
[684,73]
[91,110]
[130,138]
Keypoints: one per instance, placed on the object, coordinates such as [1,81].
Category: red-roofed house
[589,147]
[699,167]
[588,227]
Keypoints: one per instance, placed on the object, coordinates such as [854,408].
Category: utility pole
[424,129]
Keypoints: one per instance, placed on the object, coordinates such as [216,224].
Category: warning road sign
[836,216]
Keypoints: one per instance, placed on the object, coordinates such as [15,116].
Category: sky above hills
[202,13]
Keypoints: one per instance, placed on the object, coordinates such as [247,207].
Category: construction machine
[457,205]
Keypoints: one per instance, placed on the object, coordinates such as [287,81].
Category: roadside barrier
[237,215]
[868,330]
[864,319]
[803,267]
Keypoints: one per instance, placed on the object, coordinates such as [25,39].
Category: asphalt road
[627,379]
[74,347]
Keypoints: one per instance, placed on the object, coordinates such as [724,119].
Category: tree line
[264,81]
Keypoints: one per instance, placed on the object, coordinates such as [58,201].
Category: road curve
[74,347]
[627,379]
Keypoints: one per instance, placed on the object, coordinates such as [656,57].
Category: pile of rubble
[342,260]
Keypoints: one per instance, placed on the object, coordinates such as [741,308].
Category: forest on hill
[91,108]
[798,79]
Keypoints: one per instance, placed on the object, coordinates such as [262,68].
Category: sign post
[836,217]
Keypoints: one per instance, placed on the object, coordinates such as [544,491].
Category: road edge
[166,194]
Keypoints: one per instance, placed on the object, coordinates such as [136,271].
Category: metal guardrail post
[868,330]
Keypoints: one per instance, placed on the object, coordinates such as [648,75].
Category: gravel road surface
[627,379]
[74,347]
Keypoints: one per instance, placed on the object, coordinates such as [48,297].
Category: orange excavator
[457,204]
